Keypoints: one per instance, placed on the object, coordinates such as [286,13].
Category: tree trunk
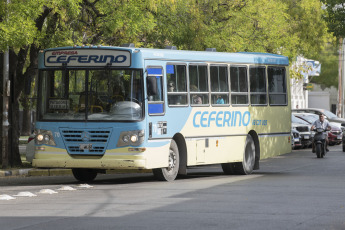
[14,134]
[17,85]
[1,91]
[26,127]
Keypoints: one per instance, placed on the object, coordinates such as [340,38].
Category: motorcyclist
[324,124]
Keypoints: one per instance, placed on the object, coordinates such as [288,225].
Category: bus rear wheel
[246,167]
[84,175]
[169,173]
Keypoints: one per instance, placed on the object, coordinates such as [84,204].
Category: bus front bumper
[125,158]
[114,162]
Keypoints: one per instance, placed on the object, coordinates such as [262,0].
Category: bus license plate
[339,137]
[85,147]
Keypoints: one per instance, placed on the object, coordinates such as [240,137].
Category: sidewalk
[34,172]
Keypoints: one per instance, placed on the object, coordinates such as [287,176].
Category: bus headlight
[44,137]
[133,138]
[39,137]
[125,138]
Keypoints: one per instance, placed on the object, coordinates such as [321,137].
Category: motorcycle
[320,142]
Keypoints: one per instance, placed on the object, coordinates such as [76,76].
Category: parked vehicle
[331,117]
[335,135]
[320,145]
[295,139]
[304,129]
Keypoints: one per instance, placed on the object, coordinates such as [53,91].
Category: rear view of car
[335,135]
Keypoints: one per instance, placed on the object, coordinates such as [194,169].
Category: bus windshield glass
[111,95]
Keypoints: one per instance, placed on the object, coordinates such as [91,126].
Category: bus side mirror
[151,86]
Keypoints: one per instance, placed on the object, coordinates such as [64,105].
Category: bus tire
[84,175]
[247,165]
[169,173]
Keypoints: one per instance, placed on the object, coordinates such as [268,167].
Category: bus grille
[86,141]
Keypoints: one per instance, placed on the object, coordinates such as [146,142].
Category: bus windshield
[114,95]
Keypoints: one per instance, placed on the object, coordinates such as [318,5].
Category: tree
[336,17]
[329,69]
[290,28]
[26,26]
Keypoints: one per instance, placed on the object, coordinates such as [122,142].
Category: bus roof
[196,56]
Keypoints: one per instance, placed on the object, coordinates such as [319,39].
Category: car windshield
[295,119]
[329,114]
[309,118]
[90,95]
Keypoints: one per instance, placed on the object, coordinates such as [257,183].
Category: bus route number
[260,122]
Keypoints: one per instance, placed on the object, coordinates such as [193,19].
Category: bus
[105,108]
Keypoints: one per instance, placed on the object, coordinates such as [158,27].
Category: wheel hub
[172,160]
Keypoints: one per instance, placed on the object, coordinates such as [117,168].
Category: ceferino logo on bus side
[86,57]
[221,119]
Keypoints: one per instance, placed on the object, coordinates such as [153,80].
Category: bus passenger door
[156,122]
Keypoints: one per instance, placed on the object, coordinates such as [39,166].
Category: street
[292,191]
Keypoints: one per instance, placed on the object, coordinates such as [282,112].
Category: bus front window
[90,95]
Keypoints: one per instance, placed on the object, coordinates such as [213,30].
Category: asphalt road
[292,191]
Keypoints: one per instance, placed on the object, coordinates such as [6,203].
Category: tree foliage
[335,17]
[329,68]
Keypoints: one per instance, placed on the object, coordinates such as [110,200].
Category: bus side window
[176,84]
[239,85]
[257,76]
[198,85]
[219,85]
[155,99]
[277,86]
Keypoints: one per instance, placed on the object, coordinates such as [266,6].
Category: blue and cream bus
[104,108]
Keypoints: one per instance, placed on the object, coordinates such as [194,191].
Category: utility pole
[5,124]
[343,77]
[340,82]
[5,99]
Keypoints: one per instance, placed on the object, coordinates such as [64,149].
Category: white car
[304,130]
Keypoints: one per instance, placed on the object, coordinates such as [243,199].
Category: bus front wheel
[169,173]
[84,175]
[246,167]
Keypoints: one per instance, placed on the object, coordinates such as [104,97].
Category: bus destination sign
[87,58]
